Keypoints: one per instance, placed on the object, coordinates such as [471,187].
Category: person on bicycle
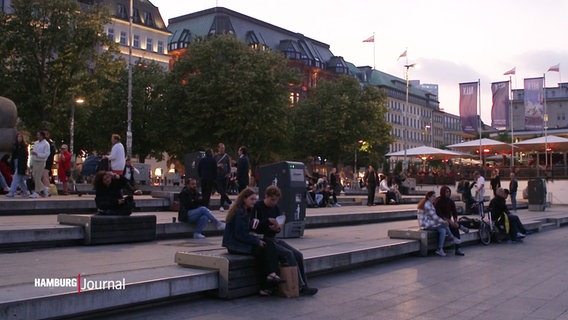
[446,209]
[429,220]
[499,212]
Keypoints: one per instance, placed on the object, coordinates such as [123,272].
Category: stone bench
[112,229]
[237,273]
[428,238]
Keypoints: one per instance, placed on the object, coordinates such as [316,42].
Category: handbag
[290,288]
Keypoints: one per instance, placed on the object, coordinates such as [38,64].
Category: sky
[451,41]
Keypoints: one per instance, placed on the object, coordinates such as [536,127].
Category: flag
[468,107]
[370,39]
[534,104]
[500,108]
[512,71]
[555,68]
[402,55]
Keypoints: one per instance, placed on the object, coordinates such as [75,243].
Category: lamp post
[407,66]
[72,122]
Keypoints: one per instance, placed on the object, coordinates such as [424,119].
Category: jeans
[513,196]
[371,195]
[18,180]
[200,216]
[292,257]
[442,232]
[3,183]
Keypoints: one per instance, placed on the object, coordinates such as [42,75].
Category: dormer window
[148,19]
[121,12]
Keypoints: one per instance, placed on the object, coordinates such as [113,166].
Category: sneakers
[459,253]
[520,235]
[337,205]
[137,192]
[457,241]
[440,252]
[34,195]
[464,229]
[10,195]
[198,236]
[220,226]
[221,209]
[307,291]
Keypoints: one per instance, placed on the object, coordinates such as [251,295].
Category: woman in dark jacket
[239,240]
[19,165]
[108,195]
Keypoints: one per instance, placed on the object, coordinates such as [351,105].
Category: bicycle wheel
[485,233]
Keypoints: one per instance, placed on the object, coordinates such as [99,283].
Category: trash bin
[290,178]
[537,194]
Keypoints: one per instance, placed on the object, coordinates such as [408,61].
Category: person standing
[479,186]
[495,181]
[371,179]
[64,168]
[19,165]
[223,174]
[40,153]
[117,155]
[266,211]
[207,171]
[513,187]
[446,209]
[335,184]
[243,167]
[46,176]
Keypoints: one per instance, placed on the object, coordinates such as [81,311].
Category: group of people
[323,192]
[387,186]
[15,171]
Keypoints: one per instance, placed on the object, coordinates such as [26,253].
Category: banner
[468,107]
[500,108]
[534,104]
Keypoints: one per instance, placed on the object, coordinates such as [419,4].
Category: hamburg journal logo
[80,283]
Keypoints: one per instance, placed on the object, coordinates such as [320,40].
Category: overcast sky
[452,41]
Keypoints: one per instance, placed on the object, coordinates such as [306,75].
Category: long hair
[239,203]
[426,197]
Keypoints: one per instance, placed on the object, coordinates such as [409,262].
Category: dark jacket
[445,206]
[20,152]
[52,152]
[223,166]
[371,179]
[498,206]
[513,185]
[243,166]
[188,200]
[237,237]
[207,169]
[106,197]
[262,213]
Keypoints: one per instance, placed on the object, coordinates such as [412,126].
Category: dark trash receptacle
[537,194]
[290,178]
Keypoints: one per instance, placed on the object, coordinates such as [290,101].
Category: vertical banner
[468,107]
[534,104]
[500,108]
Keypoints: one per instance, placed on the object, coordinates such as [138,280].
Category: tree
[340,118]
[49,53]
[222,90]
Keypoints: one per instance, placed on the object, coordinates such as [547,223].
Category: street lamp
[72,123]
[426,135]
[407,66]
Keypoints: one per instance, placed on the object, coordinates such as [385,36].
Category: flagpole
[480,123]
[374,54]
[512,127]
[545,125]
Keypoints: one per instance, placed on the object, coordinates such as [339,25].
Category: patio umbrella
[489,146]
[426,152]
[554,143]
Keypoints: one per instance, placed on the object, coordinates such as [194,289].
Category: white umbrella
[472,146]
[554,143]
[426,152]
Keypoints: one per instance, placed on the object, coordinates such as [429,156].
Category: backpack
[470,223]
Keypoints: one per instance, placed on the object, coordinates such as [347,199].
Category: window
[123,38]
[160,47]
[149,45]
[136,43]
[110,34]
[148,19]
[121,11]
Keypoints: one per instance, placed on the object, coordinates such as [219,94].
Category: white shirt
[480,188]
[117,157]
[42,150]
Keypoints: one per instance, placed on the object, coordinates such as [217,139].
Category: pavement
[500,281]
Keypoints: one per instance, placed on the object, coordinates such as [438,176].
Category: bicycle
[486,228]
